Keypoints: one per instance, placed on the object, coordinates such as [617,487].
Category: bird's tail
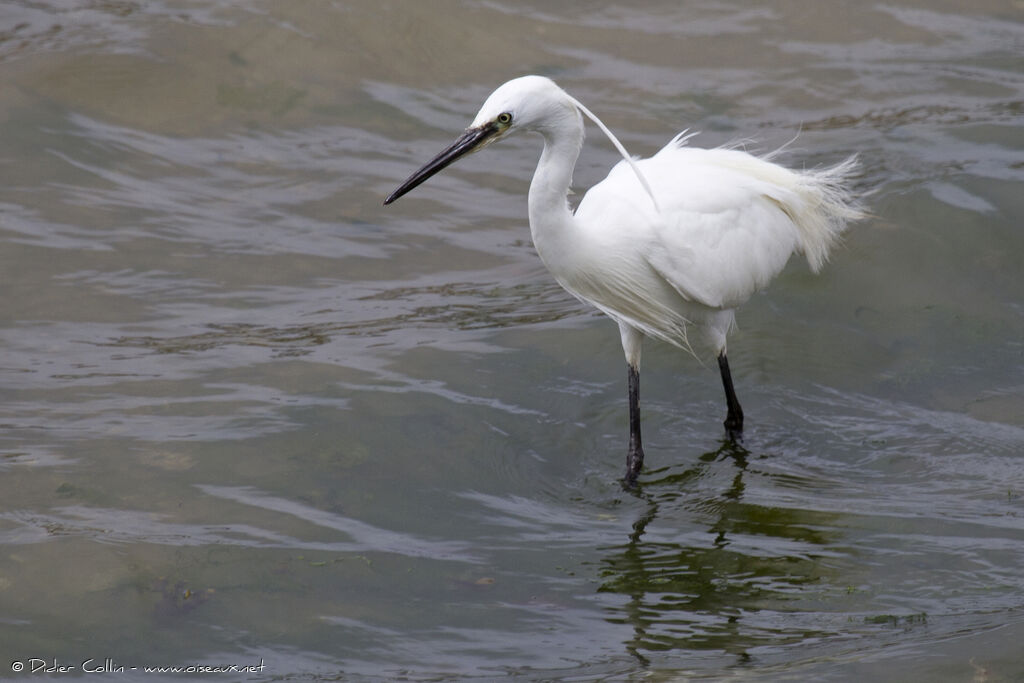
[825,205]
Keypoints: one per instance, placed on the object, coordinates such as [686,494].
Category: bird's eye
[504,118]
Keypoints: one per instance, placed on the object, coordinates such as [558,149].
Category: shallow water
[249,415]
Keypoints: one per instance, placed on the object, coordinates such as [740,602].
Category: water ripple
[118,526]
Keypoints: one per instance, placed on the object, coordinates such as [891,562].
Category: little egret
[663,245]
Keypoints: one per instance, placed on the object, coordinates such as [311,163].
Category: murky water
[249,415]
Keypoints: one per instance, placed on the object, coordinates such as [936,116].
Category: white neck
[550,217]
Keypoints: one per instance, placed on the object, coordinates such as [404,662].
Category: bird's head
[531,103]
[527,103]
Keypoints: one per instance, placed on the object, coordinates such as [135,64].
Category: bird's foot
[634,462]
[734,425]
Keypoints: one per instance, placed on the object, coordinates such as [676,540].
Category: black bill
[472,139]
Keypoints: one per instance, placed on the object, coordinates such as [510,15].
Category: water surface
[249,415]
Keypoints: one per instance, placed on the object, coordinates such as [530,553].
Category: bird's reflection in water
[728,594]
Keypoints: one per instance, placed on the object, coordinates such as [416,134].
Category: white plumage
[665,246]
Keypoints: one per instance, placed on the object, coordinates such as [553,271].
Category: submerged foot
[634,462]
[734,425]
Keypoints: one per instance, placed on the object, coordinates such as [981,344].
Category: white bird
[666,245]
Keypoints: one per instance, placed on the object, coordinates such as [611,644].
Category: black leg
[734,420]
[635,457]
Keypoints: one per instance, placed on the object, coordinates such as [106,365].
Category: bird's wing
[722,232]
